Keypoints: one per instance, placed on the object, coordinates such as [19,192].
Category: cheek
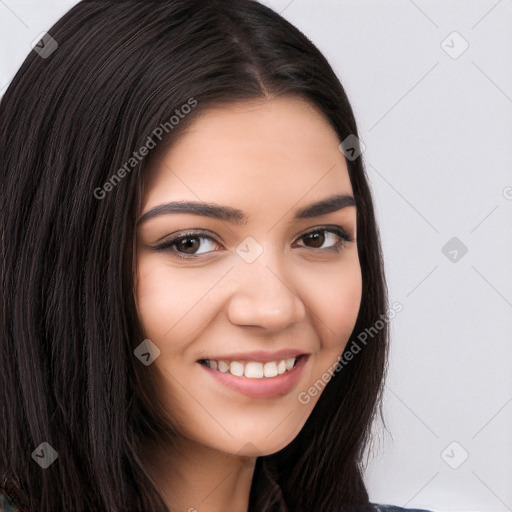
[164,298]
[343,307]
[334,298]
[154,298]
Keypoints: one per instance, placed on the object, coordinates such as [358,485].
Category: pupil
[184,245]
[315,238]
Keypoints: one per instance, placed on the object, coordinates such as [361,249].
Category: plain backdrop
[430,82]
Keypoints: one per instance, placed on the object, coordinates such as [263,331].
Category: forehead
[250,152]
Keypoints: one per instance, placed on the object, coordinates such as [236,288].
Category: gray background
[436,122]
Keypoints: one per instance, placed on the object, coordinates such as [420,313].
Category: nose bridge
[264,293]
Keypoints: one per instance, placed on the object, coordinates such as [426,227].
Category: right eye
[185,245]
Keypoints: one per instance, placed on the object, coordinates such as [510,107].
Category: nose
[264,296]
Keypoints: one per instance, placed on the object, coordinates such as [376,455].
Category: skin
[268,158]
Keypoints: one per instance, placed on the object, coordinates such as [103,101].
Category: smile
[257,379]
[252,369]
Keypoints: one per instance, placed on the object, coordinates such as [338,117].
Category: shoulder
[377,507]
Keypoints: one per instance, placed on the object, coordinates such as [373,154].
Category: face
[252,297]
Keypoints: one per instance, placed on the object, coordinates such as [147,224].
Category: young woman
[189,256]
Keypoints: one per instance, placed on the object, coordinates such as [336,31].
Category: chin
[256,444]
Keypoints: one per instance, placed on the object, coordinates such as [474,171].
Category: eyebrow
[235,216]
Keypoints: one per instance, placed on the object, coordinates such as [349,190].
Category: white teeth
[236,368]
[253,369]
[270,369]
[222,366]
[289,363]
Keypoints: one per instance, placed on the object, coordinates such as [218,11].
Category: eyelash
[168,244]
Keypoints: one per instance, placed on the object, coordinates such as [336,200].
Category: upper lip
[259,355]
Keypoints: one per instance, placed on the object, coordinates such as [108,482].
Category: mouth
[254,369]
[258,379]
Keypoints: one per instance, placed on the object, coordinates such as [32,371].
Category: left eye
[186,246]
[318,237]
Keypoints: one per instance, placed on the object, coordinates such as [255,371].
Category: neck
[195,477]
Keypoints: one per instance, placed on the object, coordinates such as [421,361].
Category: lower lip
[266,387]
